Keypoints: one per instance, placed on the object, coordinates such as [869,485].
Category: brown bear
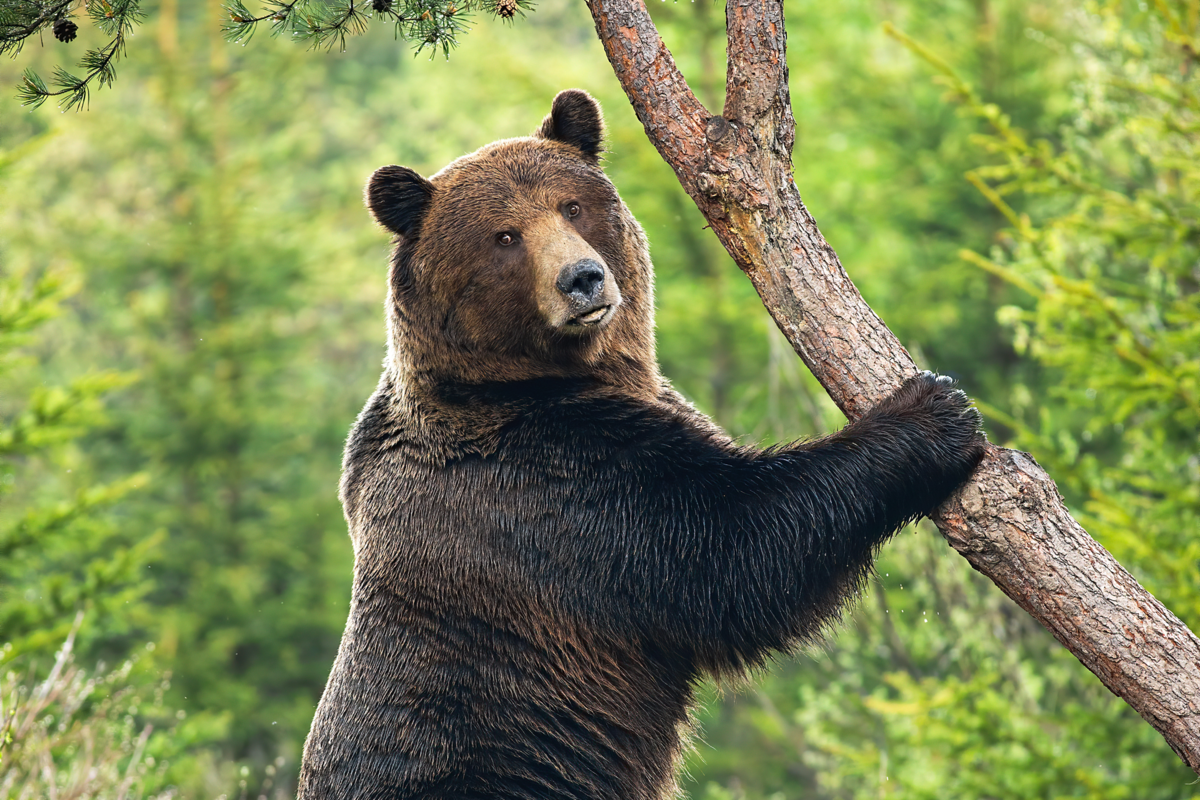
[551,546]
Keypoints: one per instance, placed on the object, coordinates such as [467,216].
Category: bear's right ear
[575,119]
[398,199]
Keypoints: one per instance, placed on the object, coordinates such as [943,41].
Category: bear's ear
[398,199]
[575,119]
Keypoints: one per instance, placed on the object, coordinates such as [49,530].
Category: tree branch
[756,87]
[1009,522]
[659,92]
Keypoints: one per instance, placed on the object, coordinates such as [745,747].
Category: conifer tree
[59,555]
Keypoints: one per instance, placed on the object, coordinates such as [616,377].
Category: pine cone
[65,30]
[506,8]
[382,6]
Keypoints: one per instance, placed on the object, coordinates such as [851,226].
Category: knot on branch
[708,185]
[720,134]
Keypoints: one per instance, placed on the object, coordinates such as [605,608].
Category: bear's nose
[582,280]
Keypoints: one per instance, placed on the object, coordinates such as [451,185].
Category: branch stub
[720,134]
[708,185]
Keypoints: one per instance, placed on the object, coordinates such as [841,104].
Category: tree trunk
[1009,521]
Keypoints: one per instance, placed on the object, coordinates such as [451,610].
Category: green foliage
[944,688]
[938,687]
[71,734]
[1108,252]
[240,439]
[64,733]
[212,208]
[57,556]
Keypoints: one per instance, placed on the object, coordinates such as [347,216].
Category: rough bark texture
[1010,521]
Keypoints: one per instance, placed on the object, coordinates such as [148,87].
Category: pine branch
[20,19]
[240,24]
[115,19]
[332,24]
[326,24]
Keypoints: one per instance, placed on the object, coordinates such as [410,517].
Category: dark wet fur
[546,565]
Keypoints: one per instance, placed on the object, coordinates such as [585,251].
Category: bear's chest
[463,572]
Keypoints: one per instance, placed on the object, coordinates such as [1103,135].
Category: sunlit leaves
[1107,247]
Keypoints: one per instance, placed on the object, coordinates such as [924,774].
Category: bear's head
[518,261]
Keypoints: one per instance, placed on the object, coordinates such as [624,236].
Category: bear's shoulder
[544,426]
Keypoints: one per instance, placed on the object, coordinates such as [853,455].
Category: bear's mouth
[591,318]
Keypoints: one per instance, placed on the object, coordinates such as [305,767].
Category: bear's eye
[505,239]
[573,210]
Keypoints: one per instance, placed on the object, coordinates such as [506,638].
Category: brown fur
[486,323]
[551,546]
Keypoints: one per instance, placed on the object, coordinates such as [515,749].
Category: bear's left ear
[398,199]
[575,119]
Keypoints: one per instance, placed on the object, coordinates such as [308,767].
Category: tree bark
[1009,521]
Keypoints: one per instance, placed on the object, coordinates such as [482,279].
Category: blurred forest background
[191,316]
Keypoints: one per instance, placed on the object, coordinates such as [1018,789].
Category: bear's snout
[576,291]
[582,281]
[591,296]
